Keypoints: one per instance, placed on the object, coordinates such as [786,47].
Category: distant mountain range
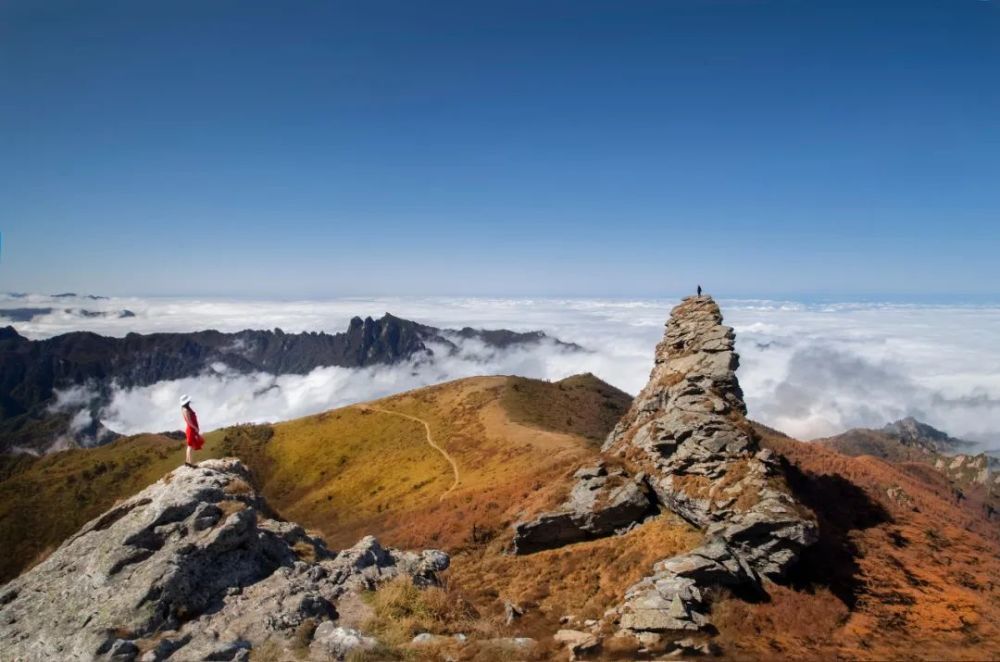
[61,295]
[905,439]
[31,371]
[910,441]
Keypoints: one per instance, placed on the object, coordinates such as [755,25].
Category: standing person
[699,290]
[194,439]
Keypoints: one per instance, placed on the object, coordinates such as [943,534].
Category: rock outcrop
[687,432]
[194,568]
[971,469]
[601,503]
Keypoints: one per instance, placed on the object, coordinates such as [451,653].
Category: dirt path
[430,441]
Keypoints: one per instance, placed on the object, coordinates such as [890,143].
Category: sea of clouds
[809,369]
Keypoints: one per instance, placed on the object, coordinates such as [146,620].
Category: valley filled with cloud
[808,369]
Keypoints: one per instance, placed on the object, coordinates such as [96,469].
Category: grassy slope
[585,406]
[349,472]
[352,471]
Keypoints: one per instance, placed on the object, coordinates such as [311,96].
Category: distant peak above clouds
[810,368]
[906,438]
[38,374]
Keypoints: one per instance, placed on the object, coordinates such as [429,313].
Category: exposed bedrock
[687,440]
[687,431]
[193,568]
[601,503]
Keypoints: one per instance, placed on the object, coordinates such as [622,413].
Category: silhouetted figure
[699,290]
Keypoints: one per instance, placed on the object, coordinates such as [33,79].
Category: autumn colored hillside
[902,569]
[349,471]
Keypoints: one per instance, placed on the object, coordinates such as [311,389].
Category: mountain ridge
[908,432]
[33,370]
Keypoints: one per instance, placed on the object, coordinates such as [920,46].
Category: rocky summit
[195,567]
[687,432]
[686,446]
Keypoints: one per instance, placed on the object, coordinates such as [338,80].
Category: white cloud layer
[809,369]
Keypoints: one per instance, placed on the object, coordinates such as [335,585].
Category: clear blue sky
[542,148]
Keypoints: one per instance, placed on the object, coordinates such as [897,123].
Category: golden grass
[351,471]
[401,611]
[580,405]
[583,579]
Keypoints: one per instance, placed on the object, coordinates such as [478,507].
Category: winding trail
[430,441]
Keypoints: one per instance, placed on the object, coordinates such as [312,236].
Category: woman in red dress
[194,439]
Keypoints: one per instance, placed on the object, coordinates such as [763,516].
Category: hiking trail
[430,441]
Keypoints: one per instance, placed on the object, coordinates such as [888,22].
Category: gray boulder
[332,641]
[193,567]
[600,504]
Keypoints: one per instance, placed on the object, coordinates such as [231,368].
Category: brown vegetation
[917,579]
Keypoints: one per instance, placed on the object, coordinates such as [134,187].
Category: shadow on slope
[841,507]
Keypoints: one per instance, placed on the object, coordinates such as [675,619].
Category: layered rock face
[601,503]
[688,434]
[193,568]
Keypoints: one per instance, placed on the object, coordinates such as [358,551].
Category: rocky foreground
[195,568]
[686,446]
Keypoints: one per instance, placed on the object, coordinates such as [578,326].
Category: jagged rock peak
[912,432]
[694,371]
[687,433]
[193,568]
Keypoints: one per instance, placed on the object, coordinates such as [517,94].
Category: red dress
[194,438]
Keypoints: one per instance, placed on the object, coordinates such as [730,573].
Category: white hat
[185,399]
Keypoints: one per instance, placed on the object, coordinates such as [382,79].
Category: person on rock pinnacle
[699,290]
[193,433]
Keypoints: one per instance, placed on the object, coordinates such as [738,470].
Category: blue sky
[540,148]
